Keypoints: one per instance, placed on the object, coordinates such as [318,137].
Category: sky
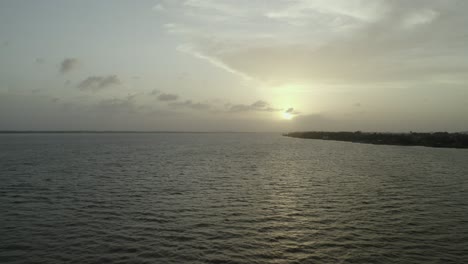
[245,65]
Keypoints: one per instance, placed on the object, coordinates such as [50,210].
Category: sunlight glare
[287,116]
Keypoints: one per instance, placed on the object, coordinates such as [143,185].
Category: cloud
[95,83]
[291,111]
[218,107]
[188,104]
[215,106]
[68,64]
[155,92]
[167,97]
[192,105]
[425,16]
[340,42]
[259,105]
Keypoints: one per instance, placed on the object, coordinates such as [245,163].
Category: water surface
[228,198]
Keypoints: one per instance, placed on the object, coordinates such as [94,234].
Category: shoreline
[434,140]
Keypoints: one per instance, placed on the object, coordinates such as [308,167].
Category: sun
[287,116]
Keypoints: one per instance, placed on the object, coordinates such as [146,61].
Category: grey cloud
[39,60]
[292,111]
[260,104]
[68,64]
[155,92]
[192,105]
[109,114]
[256,106]
[95,83]
[125,114]
[239,108]
[167,97]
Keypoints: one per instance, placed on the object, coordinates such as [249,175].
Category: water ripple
[228,198]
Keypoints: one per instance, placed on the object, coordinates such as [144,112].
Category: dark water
[228,198]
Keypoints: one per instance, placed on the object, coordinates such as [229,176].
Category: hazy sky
[206,65]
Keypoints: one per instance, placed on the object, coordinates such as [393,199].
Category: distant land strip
[436,139]
[110,132]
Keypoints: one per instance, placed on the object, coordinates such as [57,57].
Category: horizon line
[197,132]
[120,131]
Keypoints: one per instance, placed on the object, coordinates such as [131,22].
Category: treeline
[436,139]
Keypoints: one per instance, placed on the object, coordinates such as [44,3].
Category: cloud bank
[339,42]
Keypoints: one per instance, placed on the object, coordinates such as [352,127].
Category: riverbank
[436,139]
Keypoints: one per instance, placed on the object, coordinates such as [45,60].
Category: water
[228,198]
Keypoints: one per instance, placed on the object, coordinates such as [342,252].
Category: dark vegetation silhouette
[436,139]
